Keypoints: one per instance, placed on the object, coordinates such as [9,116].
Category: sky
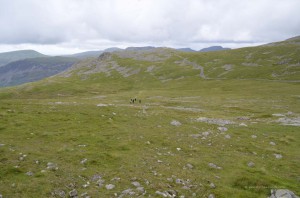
[56,27]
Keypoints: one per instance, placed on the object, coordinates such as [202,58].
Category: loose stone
[110,186]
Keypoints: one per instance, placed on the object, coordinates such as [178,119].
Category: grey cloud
[147,21]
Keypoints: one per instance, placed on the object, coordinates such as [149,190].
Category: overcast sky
[70,26]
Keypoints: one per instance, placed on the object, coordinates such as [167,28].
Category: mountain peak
[7,57]
[186,49]
[146,48]
[213,48]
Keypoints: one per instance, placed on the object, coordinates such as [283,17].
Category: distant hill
[295,39]
[87,54]
[213,48]
[29,70]
[140,48]
[8,57]
[92,54]
[113,49]
[149,65]
[186,50]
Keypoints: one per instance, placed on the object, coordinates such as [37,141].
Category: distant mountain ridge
[213,48]
[33,69]
[7,57]
[186,49]
[145,48]
[92,54]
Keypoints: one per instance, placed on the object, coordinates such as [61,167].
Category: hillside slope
[29,70]
[268,62]
[156,123]
[8,57]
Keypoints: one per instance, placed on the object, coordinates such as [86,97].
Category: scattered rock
[83,161]
[59,193]
[212,165]
[178,149]
[227,136]
[164,194]
[52,166]
[251,164]
[85,195]
[243,124]
[129,192]
[195,135]
[278,156]
[189,166]
[212,185]
[140,189]
[179,181]
[86,185]
[29,173]
[73,193]
[206,133]
[220,122]
[96,177]
[170,179]
[110,186]
[222,129]
[289,121]
[243,118]
[100,182]
[22,157]
[253,136]
[272,143]
[102,105]
[116,179]
[171,193]
[278,115]
[211,196]
[136,184]
[282,193]
[71,186]
[2,145]
[175,123]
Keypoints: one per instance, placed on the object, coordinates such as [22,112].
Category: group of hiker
[133,100]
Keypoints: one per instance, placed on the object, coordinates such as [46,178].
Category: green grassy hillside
[223,123]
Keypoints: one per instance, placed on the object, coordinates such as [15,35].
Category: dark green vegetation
[8,57]
[85,113]
[33,69]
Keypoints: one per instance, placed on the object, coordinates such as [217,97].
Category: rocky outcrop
[282,193]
